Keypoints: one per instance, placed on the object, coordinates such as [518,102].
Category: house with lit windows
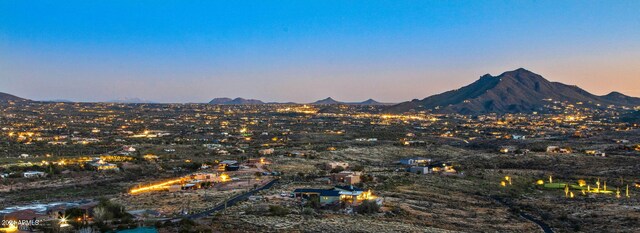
[345,194]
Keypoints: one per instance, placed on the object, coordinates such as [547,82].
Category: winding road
[231,202]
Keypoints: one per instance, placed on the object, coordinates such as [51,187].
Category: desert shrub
[308,211]
[337,169]
[278,210]
[367,207]
[358,168]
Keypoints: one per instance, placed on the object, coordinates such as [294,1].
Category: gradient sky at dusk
[392,51]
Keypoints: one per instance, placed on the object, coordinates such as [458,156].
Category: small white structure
[420,170]
[33,174]
[129,149]
[415,161]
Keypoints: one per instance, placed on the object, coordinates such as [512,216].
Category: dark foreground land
[506,175]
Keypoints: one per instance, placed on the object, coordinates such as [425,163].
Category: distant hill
[236,101]
[370,102]
[8,97]
[220,101]
[373,102]
[59,101]
[618,98]
[511,92]
[128,100]
[329,101]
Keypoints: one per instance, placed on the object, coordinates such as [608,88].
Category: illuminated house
[558,150]
[101,165]
[415,161]
[414,143]
[507,149]
[346,194]
[326,196]
[105,166]
[228,165]
[442,167]
[151,157]
[595,153]
[436,167]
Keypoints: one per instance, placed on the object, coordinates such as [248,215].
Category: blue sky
[192,51]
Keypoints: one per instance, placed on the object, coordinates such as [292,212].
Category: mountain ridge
[326,101]
[236,101]
[331,101]
[517,91]
[9,97]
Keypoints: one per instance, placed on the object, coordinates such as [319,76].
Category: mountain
[220,101]
[4,97]
[330,100]
[236,101]
[511,92]
[372,102]
[618,98]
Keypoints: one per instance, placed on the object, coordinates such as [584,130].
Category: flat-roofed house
[333,165]
[414,161]
[348,177]
[33,174]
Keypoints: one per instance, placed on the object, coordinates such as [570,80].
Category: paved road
[231,201]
